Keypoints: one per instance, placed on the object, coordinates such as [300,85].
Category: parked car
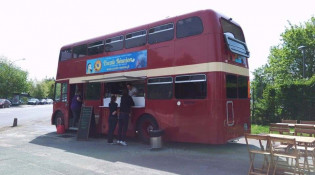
[33,101]
[4,103]
[49,101]
[42,101]
[16,100]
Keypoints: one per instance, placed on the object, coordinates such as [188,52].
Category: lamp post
[302,48]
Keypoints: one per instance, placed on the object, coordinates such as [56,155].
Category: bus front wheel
[145,124]
[59,119]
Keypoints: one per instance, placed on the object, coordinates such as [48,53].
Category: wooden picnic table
[293,124]
[300,139]
[303,140]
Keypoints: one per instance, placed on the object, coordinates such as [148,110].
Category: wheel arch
[143,116]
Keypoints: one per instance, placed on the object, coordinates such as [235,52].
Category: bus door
[61,103]
[74,88]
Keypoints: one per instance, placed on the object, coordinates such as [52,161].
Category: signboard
[132,60]
[85,122]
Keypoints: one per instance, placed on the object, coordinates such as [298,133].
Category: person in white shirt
[132,91]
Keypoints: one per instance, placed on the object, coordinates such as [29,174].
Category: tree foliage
[43,89]
[278,88]
[12,79]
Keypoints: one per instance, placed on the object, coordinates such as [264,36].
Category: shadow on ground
[178,158]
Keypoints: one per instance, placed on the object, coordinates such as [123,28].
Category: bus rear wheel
[145,124]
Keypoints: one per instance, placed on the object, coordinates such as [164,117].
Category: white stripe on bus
[177,70]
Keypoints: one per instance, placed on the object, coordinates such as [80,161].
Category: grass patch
[258,129]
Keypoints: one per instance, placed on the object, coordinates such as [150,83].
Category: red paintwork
[198,121]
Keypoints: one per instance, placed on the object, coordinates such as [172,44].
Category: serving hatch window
[191,86]
[160,88]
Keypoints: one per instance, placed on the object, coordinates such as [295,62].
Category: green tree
[43,89]
[285,62]
[278,88]
[50,87]
[12,79]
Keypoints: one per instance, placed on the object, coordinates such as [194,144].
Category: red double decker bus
[191,74]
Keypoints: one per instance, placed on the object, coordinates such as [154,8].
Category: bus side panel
[192,120]
[191,50]
[161,54]
[216,108]
[163,112]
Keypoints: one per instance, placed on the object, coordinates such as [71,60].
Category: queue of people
[122,119]
[124,114]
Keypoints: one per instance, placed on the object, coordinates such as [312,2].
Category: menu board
[85,122]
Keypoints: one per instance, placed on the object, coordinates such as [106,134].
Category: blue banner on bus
[133,60]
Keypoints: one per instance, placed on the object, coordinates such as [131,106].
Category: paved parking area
[39,150]
[35,148]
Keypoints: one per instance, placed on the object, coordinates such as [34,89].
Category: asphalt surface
[34,148]
[23,113]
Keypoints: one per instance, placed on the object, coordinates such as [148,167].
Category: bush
[293,100]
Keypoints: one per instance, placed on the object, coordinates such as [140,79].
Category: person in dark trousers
[112,119]
[76,104]
[125,108]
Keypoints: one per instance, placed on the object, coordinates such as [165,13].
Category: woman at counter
[112,119]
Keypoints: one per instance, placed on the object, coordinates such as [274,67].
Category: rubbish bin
[156,139]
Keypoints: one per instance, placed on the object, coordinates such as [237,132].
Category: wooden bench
[289,121]
[304,129]
[279,128]
[307,122]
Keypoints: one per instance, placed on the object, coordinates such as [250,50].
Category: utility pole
[302,48]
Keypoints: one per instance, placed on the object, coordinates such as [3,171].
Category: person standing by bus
[112,118]
[76,104]
[124,113]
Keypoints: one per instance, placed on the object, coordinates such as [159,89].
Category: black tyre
[145,124]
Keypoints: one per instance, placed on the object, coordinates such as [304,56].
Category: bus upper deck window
[65,54]
[189,27]
[114,44]
[80,51]
[96,48]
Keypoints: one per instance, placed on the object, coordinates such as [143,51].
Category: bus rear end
[236,81]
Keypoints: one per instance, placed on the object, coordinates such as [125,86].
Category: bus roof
[146,26]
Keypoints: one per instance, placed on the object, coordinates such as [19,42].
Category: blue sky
[36,29]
